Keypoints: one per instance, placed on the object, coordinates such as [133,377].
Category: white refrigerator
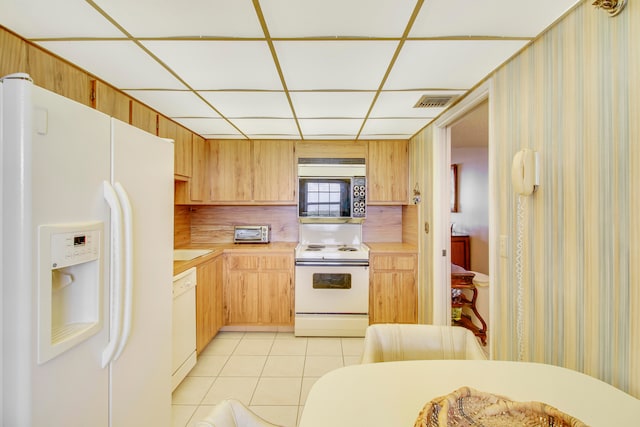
[87,239]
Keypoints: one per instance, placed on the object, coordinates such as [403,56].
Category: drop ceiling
[286,69]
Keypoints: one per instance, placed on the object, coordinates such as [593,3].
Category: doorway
[470,219]
[457,141]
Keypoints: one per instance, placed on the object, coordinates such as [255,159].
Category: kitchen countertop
[218,249]
[391,247]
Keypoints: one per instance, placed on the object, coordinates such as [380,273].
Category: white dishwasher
[184,325]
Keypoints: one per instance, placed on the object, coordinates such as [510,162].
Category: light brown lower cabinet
[393,288]
[209,302]
[258,289]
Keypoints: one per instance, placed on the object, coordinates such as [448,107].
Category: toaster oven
[251,233]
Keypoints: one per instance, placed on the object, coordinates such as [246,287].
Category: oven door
[332,289]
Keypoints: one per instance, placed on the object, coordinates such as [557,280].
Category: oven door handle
[341,263]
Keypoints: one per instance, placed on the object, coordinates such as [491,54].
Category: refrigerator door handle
[115,305]
[127,210]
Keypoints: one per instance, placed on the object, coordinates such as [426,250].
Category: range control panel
[359,197]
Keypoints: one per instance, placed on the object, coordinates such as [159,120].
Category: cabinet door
[393,297]
[56,75]
[393,292]
[144,118]
[231,170]
[241,303]
[273,171]
[259,289]
[110,101]
[207,302]
[275,298]
[183,152]
[388,172]
[199,185]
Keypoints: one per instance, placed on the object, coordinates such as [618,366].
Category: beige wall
[472,217]
[574,96]
[421,179]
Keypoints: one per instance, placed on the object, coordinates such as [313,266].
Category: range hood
[331,167]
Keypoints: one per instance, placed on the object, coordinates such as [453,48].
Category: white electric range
[332,281]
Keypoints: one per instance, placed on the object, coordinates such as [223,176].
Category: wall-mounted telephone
[524,171]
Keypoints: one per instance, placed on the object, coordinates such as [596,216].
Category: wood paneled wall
[181,226]
[214,224]
[59,76]
[383,224]
[410,227]
[421,179]
[574,97]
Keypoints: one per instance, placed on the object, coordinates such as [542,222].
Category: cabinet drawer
[393,262]
[276,262]
[243,262]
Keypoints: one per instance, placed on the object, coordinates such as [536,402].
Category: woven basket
[469,407]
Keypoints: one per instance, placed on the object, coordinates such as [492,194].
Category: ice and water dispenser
[69,286]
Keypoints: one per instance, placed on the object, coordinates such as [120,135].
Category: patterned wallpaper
[573,96]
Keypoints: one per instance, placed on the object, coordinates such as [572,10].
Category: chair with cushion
[393,342]
[232,413]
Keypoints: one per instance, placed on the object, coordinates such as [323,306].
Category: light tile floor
[270,372]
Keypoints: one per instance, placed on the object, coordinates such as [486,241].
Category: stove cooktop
[325,251]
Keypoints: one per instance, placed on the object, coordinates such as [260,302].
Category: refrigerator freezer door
[53,169]
[141,376]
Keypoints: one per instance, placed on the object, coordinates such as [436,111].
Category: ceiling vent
[431,101]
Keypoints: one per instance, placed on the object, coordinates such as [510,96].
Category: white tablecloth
[392,394]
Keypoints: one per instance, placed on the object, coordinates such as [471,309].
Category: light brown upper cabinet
[110,101]
[274,176]
[231,169]
[144,118]
[388,172]
[183,152]
[199,188]
[260,171]
[58,76]
[13,53]
[183,146]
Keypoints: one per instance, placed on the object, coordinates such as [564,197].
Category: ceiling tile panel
[334,64]
[448,64]
[333,56]
[336,18]
[203,127]
[250,104]
[400,104]
[330,127]
[211,65]
[390,127]
[174,103]
[331,104]
[120,63]
[170,18]
[59,18]
[508,18]
[267,126]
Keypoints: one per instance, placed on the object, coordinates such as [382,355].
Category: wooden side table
[462,282]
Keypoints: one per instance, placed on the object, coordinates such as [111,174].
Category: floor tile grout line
[246,336]
[261,371]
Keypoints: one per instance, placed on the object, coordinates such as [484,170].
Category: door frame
[441,162]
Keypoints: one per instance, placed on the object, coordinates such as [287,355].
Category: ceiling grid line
[406,32]
[160,62]
[272,49]
[287,69]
